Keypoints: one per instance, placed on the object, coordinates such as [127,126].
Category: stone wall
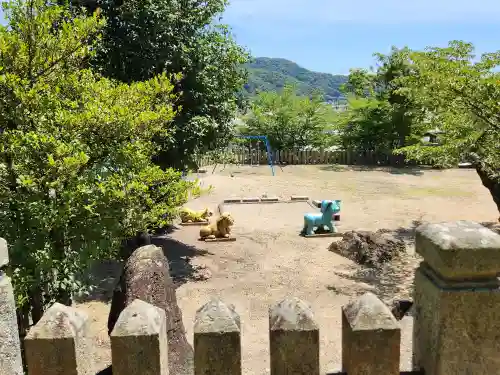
[456,324]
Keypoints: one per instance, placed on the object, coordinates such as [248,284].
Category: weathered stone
[146,277]
[317,203]
[270,199]
[217,340]
[4,253]
[233,200]
[58,343]
[139,341]
[299,198]
[456,320]
[294,338]
[459,250]
[251,200]
[10,346]
[371,338]
[371,249]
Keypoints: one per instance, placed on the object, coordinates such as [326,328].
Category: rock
[371,249]
[146,277]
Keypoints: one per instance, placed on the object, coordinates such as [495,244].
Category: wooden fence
[292,157]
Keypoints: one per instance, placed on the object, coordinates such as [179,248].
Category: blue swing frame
[268,147]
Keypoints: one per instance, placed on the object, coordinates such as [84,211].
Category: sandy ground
[269,261]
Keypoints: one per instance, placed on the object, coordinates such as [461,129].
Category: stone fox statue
[323,219]
[221,228]
[190,216]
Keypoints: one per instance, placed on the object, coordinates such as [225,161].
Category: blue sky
[333,36]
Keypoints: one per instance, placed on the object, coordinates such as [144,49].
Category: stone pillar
[139,341]
[10,346]
[58,343]
[457,300]
[371,338]
[217,341]
[293,338]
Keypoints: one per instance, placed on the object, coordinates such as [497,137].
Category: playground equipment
[323,221]
[191,217]
[268,149]
[220,230]
[317,203]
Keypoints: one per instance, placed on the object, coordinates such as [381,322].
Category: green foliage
[379,118]
[288,119]
[145,38]
[462,98]
[76,175]
[268,74]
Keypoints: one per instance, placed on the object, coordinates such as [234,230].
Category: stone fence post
[371,338]
[139,341]
[10,346]
[58,344]
[217,340]
[293,339]
[457,299]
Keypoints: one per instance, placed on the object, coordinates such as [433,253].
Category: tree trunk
[490,182]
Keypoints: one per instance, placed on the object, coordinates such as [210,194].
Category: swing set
[239,153]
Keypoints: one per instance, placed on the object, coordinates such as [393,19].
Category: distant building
[431,137]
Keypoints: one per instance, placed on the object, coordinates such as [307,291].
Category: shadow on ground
[179,257]
[414,171]
[105,274]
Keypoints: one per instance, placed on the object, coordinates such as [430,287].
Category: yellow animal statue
[221,228]
[190,216]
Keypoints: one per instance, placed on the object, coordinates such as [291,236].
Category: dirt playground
[270,261]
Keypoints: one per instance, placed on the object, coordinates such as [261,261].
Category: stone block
[4,253]
[10,345]
[251,200]
[146,277]
[139,341]
[58,343]
[459,250]
[293,338]
[232,200]
[270,199]
[371,338]
[456,325]
[217,340]
[299,198]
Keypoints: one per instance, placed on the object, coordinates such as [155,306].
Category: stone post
[457,299]
[293,338]
[371,338]
[58,344]
[10,346]
[217,341]
[139,341]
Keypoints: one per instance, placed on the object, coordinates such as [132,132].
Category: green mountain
[270,74]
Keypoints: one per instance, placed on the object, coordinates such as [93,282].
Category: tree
[289,120]
[76,175]
[379,118]
[145,38]
[462,98]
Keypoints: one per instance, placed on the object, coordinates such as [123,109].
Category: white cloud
[366,11]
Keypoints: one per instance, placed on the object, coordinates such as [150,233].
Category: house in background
[431,137]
